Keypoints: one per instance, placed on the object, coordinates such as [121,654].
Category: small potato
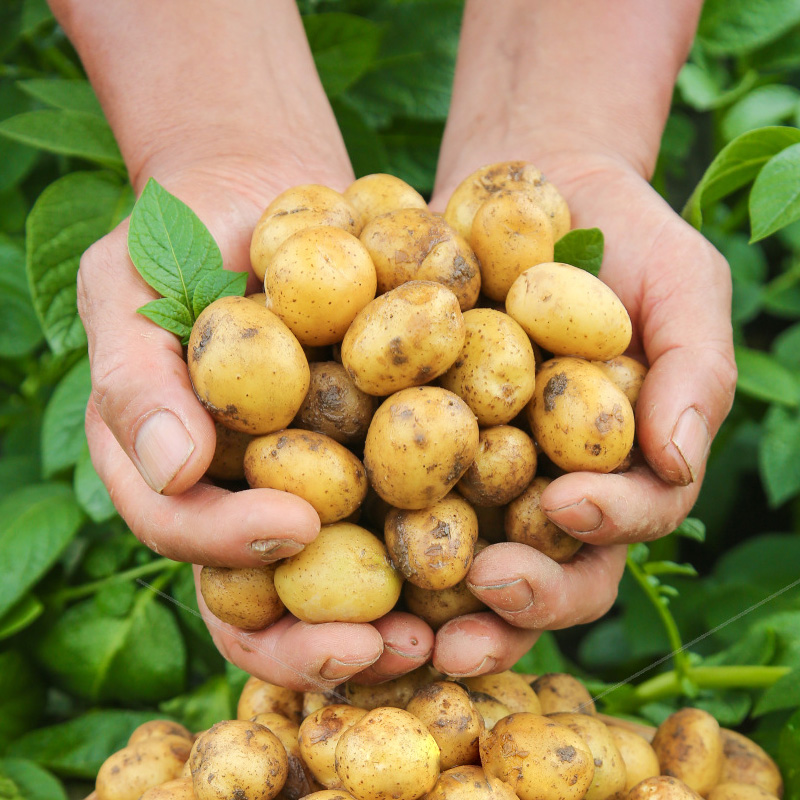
[314,701]
[415,245]
[317,281]
[559,691]
[238,758]
[569,312]
[310,465]
[318,736]
[158,729]
[579,418]
[526,523]
[330,794]
[510,688]
[743,761]
[625,373]
[178,789]
[228,461]
[503,467]
[246,366]
[640,759]
[406,337]
[689,746]
[495,372]
[510,233]
[335,406]
[344,575]
[662,787]
[540,758]
[419,444]
[433,546]
[490,708]
[739,791]
[397,741]
[393,693]
[445,708]
[373,195]
[244,597]
[262,697]
[469,783]
[298,208]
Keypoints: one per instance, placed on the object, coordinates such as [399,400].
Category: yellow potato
[495,373]
[246,366]
[503,467]
[373,195]
[469,783]
[310,583]
[228,461]
[310,465]
[394,693]
[406,337]
[298,208]
[662,787]
[330,794]
[559,691]
[243,597]
[419,444]
[569,312]
[743,761]
[640,759]
[490,709]
[157,729]
[314,701]
[262,697]
[178,789]
[627,374]
[415,245]
[510,688]
[579,418]
[318,736]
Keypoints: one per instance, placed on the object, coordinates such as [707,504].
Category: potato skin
[569,312]
[394,693]
[158,729]
[469,782]
[419,444]
[739,791]
[640,759]
[379,193]
[743,761]
[246,366]
[228,461]
[510,688]
[627,374]
[495,373]
[579,418]
[177,789]
[310,583]
[406,337]
[559,691]
[262,697]
[310,465]
[244,597]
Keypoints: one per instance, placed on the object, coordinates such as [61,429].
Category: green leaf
[729,708]
[412,150]
[762,376]
[16,160]
[545,656]
[90,491]
[669,568]
[22,696]
[765,105]
[736,27]
[79,747]
[786,347]
[204,706]
[20,332]
[691,528]
[779,455]
[63,432]
[171,315]
[33,782]
[23,613]
[13,210]
[775,197]
[68,133]
[213,285]
[344,46]
[36,524]
[783,53]
[68,95]
[788,748]
[582,247]
[736,165]
[67,218]
[703,91]
[364,146]
[783,694]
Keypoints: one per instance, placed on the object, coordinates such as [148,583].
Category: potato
[335,406]
[433,546]
[158,729]
[415,245]
[526,523]
[640,759]
[373,195]
[510,233]
[739,791]
[330,794]
[609,769]
[262,697]
[510,688]
[662,787]
[503,467]
[540,758]
[314,701]
[236,758]
[310,465]
[344,575]
[228,461]
[490,709]
[580,419]
[406,337]
[317,281]
[689,746]
[469,783]
[419,444]
[387,755]
[569,312]
[246,366]
[178,789]
[243,597]
[445,708]
[318,736]
[558,691]
[743,761]
[394,693]
[495,372]
[298,208]
[625,373]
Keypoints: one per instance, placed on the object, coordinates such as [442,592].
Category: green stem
[86,589]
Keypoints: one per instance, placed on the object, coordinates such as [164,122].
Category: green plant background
[88,649]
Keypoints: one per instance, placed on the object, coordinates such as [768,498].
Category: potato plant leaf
[763,377]
[33,782]
[788,748]
[691,528]
[775,197]
[90,491]
[221,283]
[22,696]
[23,613]
[171,315]
[736,27]
[20,332]
[64,93]
[779,455]
[784,693]
[582,247]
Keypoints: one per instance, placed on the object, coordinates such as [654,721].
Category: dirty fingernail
[513,596]
[691,440]
[487,665]
[274,549]
[334,669]
[162,447]
[581,517]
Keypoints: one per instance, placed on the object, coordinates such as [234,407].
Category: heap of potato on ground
[393,374]
[423,737]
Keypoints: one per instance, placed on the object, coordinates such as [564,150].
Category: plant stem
[87,589]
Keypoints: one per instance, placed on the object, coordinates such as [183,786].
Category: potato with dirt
[744,761]
[263,697]
[509,687]
[469,783]
[662,787]
[394,693]
[627,374]
[244,597]
[380,193]
[641,761]
[560,691]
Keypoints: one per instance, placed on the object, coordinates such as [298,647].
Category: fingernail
[335,670]
[162,447]
[487,665]
[691,440]
[420,658]
[274,549]
[581,517]
[513,596]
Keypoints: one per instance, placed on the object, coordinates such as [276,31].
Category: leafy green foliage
[30,780]
[582,247]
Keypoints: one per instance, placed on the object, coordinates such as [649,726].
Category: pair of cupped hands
[151,440]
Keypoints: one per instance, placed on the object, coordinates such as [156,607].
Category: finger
[296,654]
[529,590]
[476,644]
[205,524]
[407,645]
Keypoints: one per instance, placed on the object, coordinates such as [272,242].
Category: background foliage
[87,652]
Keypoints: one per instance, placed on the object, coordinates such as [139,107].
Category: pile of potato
[419,380]
[495,737]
